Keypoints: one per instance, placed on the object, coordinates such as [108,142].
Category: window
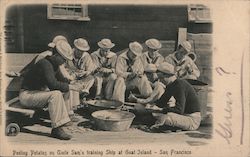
[199,14]
[68,12]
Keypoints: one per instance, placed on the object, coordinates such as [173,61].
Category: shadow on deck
[37,130]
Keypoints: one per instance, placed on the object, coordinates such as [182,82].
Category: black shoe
[59,133]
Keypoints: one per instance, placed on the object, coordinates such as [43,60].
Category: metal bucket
[113,120]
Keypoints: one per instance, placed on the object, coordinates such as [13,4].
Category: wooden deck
[84,133]
[40,135]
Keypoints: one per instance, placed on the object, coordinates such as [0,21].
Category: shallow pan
[113,120]
[96,105]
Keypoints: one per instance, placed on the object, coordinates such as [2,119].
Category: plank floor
[40,134]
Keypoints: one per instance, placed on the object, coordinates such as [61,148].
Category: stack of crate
[202,44]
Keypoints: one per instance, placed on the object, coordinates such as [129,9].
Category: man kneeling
[186,112]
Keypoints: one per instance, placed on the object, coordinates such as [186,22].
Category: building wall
[122,24]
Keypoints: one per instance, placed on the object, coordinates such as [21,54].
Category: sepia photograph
[116,74]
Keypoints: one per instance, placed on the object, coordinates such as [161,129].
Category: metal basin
[113,120]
